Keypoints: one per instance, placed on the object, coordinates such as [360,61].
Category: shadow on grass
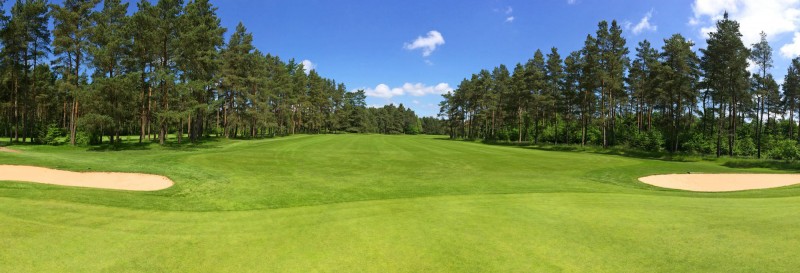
[764,163]
[736,163]
[134,145]
[618,151]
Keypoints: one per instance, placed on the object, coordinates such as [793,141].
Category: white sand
[721,182]
[101,180]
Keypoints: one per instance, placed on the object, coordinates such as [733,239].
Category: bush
[784,150]
[745,147]
[698,144]
[51,135]
[651,141]
[82,138]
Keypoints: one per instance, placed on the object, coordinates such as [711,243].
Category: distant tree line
[663,99]
[165,69]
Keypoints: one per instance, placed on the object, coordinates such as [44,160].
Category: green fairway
[377,203]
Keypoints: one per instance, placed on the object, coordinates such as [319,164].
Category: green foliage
[83,138]
[699,144]
[745,147]
[652,141]
[94,126]
[51,135]
[785,150]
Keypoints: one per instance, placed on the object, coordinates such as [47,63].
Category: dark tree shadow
[134,145]
[764,163]
[617,151]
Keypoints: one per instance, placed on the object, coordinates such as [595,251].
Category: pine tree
[616,62]
[571,91]
[761,55]
[198,59]
[167,14]
[72,28]
[679,78]
[520,98]
[555,84]
[590,80]
[234,76]
[535,85]
[791,92]
[725,66]
[109,48]
[139,63]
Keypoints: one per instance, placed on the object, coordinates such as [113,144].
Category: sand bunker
[101,180]
[8,150]
[721,182]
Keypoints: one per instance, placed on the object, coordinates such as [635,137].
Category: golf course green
[382,203]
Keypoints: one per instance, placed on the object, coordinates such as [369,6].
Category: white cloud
[510,19]
[509,10]
[644,24]
[572,2]
[428,44]
[378,105]
[792,49]
[413,89]
[308,65]
[774,17]
[383,91]
[428,62]
[751,66]
[415,101]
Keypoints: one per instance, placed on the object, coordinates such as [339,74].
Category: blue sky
[370,44]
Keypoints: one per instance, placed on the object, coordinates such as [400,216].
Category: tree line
[672,98]
[163,70]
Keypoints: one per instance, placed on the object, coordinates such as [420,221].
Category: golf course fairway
[378,203]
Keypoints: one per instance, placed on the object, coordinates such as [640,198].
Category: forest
[670,99]
[163,70]
[166,71]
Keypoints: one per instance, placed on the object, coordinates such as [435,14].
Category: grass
[375,203]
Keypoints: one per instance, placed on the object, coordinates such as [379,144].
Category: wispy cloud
[644,24]
[510,19]
[428,43]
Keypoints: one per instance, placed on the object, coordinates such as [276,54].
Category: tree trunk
[519,124]
[760,121]
[719,128]
[72,121]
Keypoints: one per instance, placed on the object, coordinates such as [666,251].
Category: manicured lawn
[345,203]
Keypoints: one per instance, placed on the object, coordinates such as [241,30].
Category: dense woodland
[164,70]
[672,98]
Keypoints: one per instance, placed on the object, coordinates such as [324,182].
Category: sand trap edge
[97,180]
[721,182]
[9,150]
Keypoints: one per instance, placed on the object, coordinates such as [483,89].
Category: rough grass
[344,203]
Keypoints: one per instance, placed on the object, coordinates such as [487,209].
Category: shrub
[82,138]
[51,135]
[784,150]
[698,144]
[745,147]
[650,141]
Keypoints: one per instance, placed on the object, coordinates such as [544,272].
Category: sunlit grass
[343,203]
